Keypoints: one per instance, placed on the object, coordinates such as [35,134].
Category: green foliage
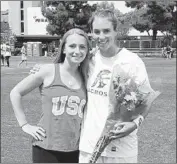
[153,15]
[4,27]
[6,34]
[105,5]
[64,15]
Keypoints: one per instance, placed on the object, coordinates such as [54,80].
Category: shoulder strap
[57,78]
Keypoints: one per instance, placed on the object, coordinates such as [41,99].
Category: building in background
[4,16]
[18,15]
[29,25]
[36,22]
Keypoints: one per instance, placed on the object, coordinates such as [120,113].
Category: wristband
[23,125]
[138,121]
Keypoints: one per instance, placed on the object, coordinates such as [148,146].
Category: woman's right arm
[21,89]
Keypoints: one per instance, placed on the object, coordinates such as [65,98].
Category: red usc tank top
[62,112]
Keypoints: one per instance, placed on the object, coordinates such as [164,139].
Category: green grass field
[157,135]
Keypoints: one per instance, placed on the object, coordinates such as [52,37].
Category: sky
[118,4]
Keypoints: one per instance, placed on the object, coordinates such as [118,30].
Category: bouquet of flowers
[127,99]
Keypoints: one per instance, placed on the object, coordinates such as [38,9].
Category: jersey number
[72,105]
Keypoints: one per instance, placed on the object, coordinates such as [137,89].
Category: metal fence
[143,44]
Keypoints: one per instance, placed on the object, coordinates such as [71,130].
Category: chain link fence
[143,44]
[145,47]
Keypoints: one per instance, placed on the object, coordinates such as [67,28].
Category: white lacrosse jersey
[98,101]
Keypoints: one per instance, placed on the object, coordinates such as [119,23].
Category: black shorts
[41,155]
[7,57]
[2,56]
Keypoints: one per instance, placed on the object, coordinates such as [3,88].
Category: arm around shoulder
[30,82]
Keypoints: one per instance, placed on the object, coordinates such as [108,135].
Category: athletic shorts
[84,158]
[24,58]
[41,155]
[2,56]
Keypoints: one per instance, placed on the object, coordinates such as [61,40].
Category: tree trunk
[148,33]
[154,37]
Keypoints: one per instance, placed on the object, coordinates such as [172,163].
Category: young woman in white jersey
[124,147]
[56,136]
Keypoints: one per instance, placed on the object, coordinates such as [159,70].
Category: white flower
[133,94]
[128,97]
[128,82]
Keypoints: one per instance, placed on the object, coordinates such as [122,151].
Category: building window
[22,27]
[21,4]
[22,15]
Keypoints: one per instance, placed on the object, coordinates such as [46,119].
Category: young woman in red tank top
[56,136]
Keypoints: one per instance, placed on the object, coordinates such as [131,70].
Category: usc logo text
[72,105]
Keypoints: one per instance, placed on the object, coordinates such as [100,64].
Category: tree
[4,27]
[64,15]
[105,5]
[7,35]
[124,26]
[153,15]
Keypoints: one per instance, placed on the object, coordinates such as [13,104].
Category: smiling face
[103,33]
[75,48]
